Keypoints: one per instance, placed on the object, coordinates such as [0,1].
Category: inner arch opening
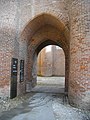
[51,61]
[51,70]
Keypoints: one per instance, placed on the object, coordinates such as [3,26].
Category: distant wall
[51,61]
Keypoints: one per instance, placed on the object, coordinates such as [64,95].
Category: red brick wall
[79,82]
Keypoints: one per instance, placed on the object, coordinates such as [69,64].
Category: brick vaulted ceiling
[41,21]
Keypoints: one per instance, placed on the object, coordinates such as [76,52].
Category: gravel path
[8,104]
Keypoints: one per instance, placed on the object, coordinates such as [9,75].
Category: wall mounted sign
[21,70]
[14,70]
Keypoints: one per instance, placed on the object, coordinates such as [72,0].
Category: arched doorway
[50,70]
[44,30]
[34,64]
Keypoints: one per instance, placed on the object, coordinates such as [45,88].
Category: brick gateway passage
[26,27]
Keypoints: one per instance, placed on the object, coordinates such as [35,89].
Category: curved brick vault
[45,30]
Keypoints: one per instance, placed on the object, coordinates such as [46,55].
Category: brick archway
[38,33]
[44,30]
[48,27]
[27,25]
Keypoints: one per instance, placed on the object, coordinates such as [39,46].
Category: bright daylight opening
[48,48]
[51,70]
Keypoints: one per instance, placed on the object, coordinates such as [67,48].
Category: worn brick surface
[79,91]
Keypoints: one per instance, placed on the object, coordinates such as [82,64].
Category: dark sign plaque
[21,70]
[14,68]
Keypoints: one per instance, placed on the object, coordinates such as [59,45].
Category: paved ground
[50,85]
[52,81]
[45,106]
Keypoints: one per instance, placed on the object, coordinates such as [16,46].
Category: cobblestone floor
[44,106]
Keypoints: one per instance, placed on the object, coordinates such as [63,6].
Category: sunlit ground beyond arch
[50,85]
